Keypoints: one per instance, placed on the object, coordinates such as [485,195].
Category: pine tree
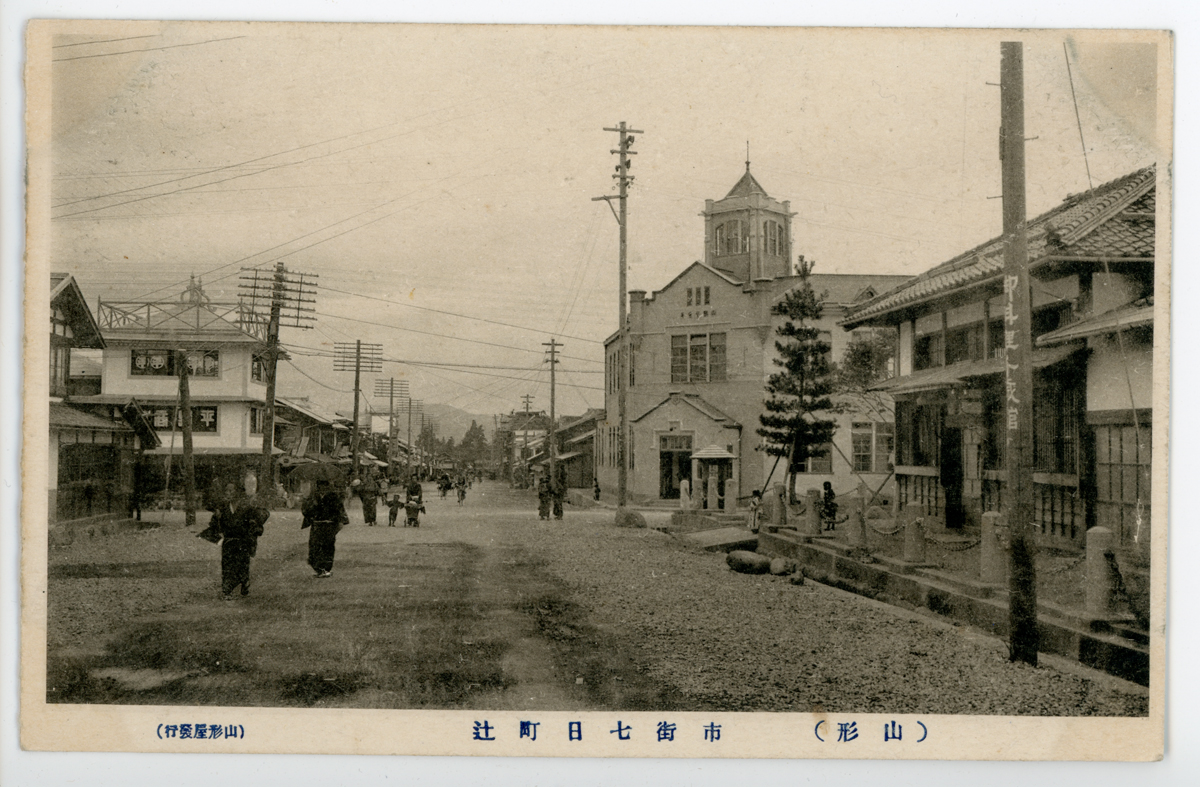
[798,394]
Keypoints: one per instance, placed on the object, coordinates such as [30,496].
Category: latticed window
[679,359]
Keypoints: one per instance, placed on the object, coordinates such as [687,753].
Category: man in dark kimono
[324,514]
[239,521]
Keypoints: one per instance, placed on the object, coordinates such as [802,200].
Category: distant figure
[755,506]
[394,499]
[414,503]
[460,484]
[558,491]
[324,514]
[239,520]
[596,489]
[368,492]
[544,498]
[829,506]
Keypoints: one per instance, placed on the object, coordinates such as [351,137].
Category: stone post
[731,491]
[712,498]
[914,538]
[779,506]
[685,494]
[697,499]
[856,530]
[812,513]
[993,566]
[1101,579]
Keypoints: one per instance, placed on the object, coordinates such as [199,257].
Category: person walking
[544,498]
[325,515]
[368,493]
[238,519]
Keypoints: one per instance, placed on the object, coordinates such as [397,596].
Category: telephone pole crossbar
[551,448]
[359,357]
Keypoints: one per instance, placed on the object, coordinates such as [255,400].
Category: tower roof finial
[747,155]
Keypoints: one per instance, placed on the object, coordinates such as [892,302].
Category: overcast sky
[452,168]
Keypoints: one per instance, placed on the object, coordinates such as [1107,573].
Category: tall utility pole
[623,179]
[1018,363]
[184,414]
[389,388]
[287,297]
[527,398]
[360,357]
[551,447]
[412,407]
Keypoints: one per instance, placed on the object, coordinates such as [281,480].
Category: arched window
[719,240]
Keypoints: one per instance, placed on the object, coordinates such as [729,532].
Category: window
[927,352]
[871,446]
[773,238]
[964,344]
[258,417]
[1057,403]
[817,465]
[632,358]
[698,358]
[918,429]
[689,296]
[1051,318]
[258,369]
[706,294]
[996,338]
[732,237]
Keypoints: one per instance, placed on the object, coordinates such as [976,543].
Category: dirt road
[486,607]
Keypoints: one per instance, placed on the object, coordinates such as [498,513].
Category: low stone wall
[1063,633]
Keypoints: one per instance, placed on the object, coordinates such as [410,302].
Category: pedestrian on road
[368,493]
[544,498]
[829,506]
[394,499]
[238,518]
[596,489]
[325,515]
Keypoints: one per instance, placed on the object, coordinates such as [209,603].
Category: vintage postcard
[596,392]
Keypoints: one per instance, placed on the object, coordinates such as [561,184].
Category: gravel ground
[745,642]
[722,640]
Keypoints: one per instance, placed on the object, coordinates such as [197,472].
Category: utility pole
[184,413]
[1018,362]
[359,357]
[284,296]
[551,449]
[389,388]
[623,179]
[418,409]
[527,398]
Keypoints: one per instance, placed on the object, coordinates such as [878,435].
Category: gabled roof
[62,415]
[697,402]
[1114,220]
[66,296]
[746,186]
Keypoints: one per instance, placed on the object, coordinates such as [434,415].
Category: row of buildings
[702,347]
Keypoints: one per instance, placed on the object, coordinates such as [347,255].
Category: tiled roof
[954,374]
[1132,315]
[62,415]
[1103,221]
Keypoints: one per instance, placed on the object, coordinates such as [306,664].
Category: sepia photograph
[596,391]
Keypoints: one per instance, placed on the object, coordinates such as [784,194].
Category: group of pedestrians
[239,514]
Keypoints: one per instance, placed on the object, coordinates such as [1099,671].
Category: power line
[455,314]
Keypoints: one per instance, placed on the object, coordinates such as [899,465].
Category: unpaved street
[484,606]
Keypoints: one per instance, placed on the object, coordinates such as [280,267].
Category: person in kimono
[324,515]
[238,519]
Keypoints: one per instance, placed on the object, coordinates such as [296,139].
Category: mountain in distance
[453,422]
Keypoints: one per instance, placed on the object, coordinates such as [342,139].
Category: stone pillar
[1101,579]
[685,494]
[780,506]
[856,530]
[993,556]
[914,538]
[697,500]
[712,498]
[731,490]
[812,513]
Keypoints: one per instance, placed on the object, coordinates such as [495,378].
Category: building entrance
[674,464]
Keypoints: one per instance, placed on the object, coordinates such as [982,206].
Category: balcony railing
[174,317]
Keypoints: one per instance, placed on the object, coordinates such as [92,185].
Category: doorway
[674,464]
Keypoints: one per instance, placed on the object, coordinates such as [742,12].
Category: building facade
[1092,272]
[701,350]
[223,344]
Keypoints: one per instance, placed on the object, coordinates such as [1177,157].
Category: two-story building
[222,344]
[1091,262]
[92,457]
[701,350]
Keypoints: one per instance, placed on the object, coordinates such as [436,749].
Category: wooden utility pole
[184,414]
[359,357]
[390,388]
[527,398]
[551,448]
[623,179]
[279,292]
[1018,363]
